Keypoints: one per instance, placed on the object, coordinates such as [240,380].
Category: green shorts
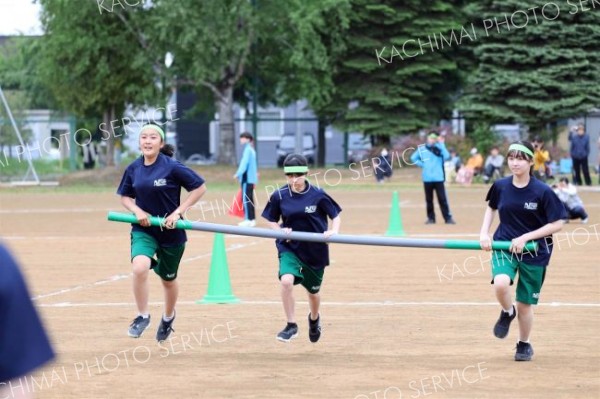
[167,259]
[531,277]
[310,278]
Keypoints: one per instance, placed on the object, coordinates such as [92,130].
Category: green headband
[295,169]
[520,147]
[156,128]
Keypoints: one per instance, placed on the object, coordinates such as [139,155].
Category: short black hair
[295,160]
[564,180]
[247,135]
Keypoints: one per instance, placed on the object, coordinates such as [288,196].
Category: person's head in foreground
[520,158]
[152,142]
[295,167]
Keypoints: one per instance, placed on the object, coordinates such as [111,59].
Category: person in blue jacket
[431,157]
[151,186]
[247,176]
[580,150]
[301,207]
[24,345]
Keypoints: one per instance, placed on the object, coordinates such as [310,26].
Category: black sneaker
[288,333]
[450,221]
[503,323]
[164,329]
[430,221]
[524,352]
[314,328]
[138,326]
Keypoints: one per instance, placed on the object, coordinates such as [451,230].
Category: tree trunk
[226,128]
[109,116]
[321,143]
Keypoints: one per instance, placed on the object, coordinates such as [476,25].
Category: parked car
[287,145]
[359,147]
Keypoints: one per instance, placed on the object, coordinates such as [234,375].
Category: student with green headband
[151,186]
[301,207]
[529,211]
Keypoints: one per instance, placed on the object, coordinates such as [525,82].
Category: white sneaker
[584,221]
[247,223]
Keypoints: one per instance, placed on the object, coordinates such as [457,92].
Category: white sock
[523,341]
[509,311]
[165,318]
[145,316]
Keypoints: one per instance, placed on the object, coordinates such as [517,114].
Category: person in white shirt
[567,193]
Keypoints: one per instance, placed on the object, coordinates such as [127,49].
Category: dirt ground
[397,322]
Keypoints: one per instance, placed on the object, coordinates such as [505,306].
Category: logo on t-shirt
[532,206]
[310,209]
[160,182]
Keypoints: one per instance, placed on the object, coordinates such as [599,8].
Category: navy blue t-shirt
[526,209]
[305,211]
[156,189]
[24,345]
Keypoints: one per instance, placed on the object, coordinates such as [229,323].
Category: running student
[529,210]
[151,186]
[301,207]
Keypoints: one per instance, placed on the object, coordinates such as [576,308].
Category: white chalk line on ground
[342,304]
[119,277]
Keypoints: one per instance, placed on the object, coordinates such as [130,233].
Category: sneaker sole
[286,340]
[523,358]
[137,336]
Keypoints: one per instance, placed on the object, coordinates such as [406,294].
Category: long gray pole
[317,237]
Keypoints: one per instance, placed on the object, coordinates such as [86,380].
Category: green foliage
[19,71]
[397,95]
[483,138]
[87,58]
[18,103]
[538,74]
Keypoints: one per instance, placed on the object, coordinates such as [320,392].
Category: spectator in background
[384,168]
[452,166]
[430,157]
[24,345]
[541,158]
[247,175]
[89,155]
[494,162]
[473,166]
[567,193]
[598,158]
[580,150]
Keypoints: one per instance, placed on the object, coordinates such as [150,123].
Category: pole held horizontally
[316,237]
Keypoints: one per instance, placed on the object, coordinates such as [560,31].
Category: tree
[396,70]
[19,63]
[311,37]
[18,103]
[230,43]
[89,64]
[536,68]
[210,41]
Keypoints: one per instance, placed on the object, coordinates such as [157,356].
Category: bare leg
[525,312]
[287,296]
[141,267]
[171,291]
[502,289]
[314,301]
